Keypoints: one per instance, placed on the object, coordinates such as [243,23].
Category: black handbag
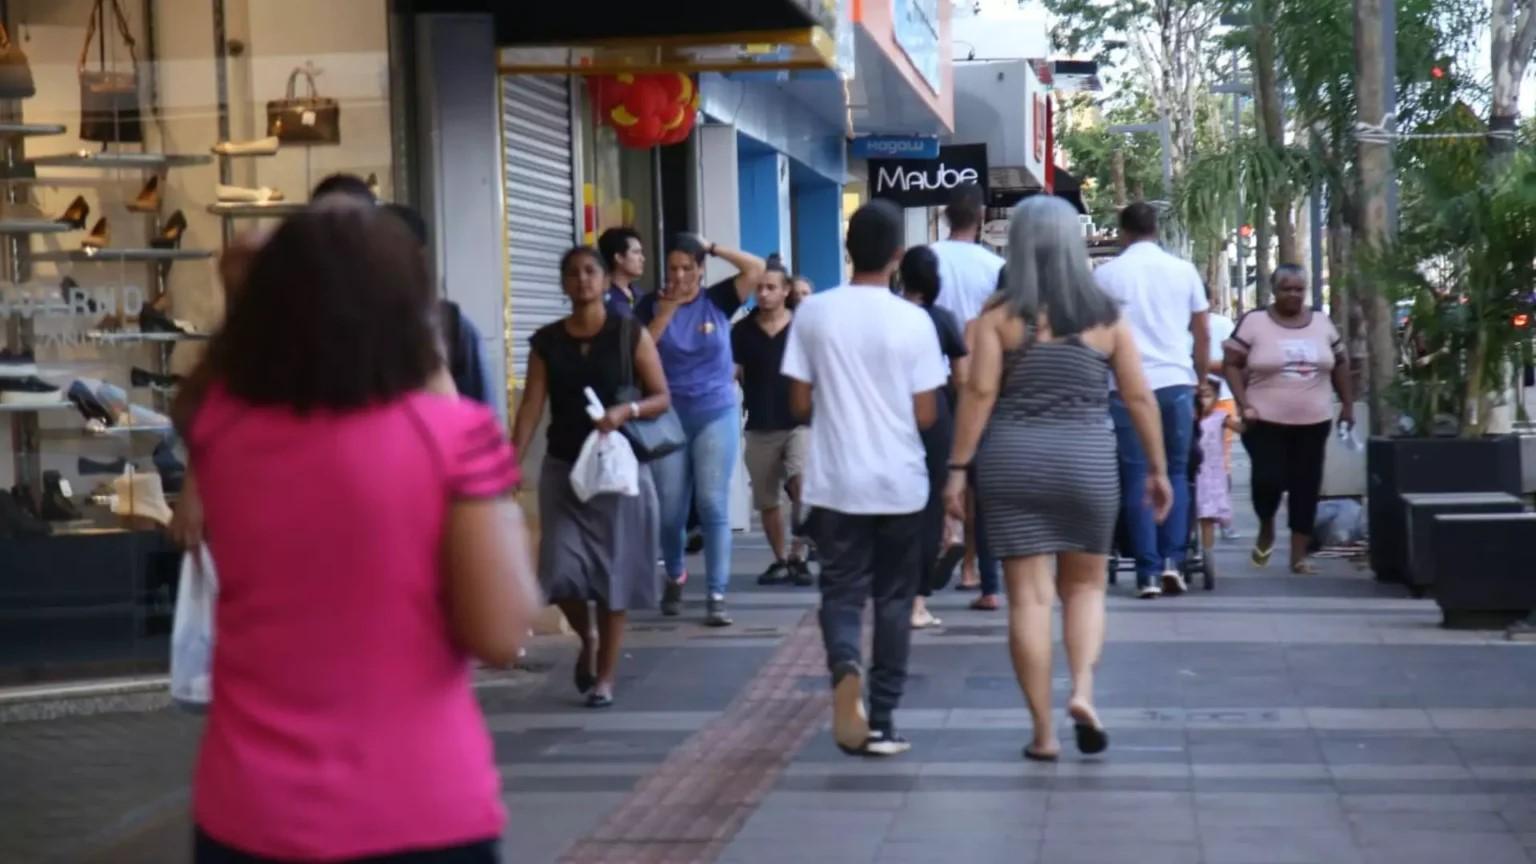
[109,99]
[309,119]
[15,72]
[654,437]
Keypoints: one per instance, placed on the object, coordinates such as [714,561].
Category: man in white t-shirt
[1164,302]
[864,368]
[967,270]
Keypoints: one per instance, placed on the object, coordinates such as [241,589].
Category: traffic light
[1437,71]
[1245,231]
[1522,320]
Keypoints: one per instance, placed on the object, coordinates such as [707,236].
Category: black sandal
[1036,756]
[584,679]
[1090,739]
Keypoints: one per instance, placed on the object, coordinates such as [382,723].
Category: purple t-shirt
[696,348]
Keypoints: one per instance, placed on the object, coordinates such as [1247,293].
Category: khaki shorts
[772,458]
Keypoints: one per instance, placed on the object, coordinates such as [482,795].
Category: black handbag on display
[109,99]
[15,72]
[654,437]
[310,119]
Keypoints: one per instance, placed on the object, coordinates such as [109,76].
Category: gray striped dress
[1047,479]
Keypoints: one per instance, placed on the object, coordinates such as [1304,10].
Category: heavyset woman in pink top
[1284,363]
[366,551]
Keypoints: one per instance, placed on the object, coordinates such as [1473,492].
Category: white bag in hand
[606,464]
[192,631]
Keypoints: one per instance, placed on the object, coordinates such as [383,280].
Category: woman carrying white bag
[601,550]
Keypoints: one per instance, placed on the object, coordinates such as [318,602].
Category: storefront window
[619,183]
[132,153]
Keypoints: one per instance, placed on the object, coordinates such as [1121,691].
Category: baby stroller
[1197,560]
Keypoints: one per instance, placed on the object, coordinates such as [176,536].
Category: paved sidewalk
[1279,720]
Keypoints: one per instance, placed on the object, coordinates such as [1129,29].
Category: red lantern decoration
[647,109]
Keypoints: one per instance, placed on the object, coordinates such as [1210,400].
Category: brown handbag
[15,72]
[109,99]
[311,119]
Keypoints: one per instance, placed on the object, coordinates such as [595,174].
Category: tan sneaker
[850,723]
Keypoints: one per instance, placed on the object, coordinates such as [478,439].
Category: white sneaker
[247,195]
[1173,582]
[259,147]
[1149,591]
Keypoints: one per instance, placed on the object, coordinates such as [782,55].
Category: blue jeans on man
[1156,548]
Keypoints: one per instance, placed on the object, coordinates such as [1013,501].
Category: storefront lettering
[906,180]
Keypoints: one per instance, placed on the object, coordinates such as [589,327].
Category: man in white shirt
[864,368]
[967,270]
[1164,302]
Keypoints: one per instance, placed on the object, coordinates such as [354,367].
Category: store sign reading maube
[928,182]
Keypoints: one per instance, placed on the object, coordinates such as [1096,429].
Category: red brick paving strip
[689,808]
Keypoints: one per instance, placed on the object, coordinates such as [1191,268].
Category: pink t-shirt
[342,723]
[1289,369]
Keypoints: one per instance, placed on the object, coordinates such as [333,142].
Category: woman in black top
[602,551]
[920,284]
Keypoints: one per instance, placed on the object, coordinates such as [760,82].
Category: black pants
[864,557]
[936,442]
[207,850]
[1287,460]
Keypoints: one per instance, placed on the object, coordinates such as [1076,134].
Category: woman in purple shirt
[692,329]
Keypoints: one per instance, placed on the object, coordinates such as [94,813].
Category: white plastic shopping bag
[192,631]
[606,463]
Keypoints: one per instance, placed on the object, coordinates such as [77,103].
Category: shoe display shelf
[130,337]
[270,210]
[120,256]
[16,261]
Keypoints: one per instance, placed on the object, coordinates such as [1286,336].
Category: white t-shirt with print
[967,277]
[866,353]
[1158,293]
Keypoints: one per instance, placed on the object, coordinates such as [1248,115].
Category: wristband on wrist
[956,466]
[634,410]
[712,250]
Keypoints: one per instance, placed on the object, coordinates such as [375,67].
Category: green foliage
[1091,151]
[1465,262]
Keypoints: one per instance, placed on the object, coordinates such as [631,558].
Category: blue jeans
[700,474]
[1154,546]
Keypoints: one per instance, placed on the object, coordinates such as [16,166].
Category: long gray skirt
[604,550]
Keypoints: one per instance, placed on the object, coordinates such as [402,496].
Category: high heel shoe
[149,197]
[76,214]
[99,237]
[170,236]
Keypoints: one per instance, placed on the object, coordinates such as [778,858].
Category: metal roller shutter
[539,172]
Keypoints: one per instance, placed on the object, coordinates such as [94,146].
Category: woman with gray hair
[1047,481]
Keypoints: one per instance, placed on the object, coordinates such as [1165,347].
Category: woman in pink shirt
[1284,363]
[366,551]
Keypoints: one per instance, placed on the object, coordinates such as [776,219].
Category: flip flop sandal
[986,603]
[1091,739]
[583,679]
[1260,557]
[1034,756]
[1304,568]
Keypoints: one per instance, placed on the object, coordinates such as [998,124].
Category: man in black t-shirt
[775,441]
